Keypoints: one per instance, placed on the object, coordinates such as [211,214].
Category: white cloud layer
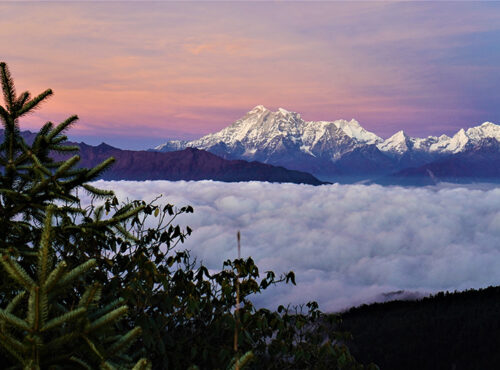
[348,244]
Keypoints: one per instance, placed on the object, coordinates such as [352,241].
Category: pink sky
[138,73]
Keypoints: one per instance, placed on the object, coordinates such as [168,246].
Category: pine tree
[31,180]
[41,327]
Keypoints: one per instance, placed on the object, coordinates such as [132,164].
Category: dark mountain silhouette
[187,164]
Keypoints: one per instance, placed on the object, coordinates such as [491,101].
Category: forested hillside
[446,331]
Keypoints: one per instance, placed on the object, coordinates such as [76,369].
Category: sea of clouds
[348,244]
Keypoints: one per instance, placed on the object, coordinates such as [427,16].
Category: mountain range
[281,147]
[186,164]
[344,151]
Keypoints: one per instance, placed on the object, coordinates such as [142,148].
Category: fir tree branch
[9,91]
[4,114]
[62,126]
[14,320]
[14,347]
[17,272]
[43,253]
[66,166]
[75,273]
[32,104]
[65,148]
[106,319]
[97,170]
[44,131]
[12,304]
[125,341]
[91,294]
[23,98]
[15,194]
[93,348]
[142,364]
[242,361]
[54,276]
[54,346]
[98,192]
[65,318]
[107,308]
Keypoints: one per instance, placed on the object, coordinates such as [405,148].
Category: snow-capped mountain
[172,146]
[284,138]
[263,130]
[329,148]
[400,143]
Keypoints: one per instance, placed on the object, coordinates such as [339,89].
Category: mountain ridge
[330,150]
[187,164]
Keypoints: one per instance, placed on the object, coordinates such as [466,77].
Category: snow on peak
[455,144]
[400,135]
[172,145]
[486,130]
[354,130]
[258,109]
[264,130]
[459,141]
[397,143]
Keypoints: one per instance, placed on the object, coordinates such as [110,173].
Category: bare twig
[236,311]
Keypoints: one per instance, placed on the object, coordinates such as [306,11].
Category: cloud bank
[348,244]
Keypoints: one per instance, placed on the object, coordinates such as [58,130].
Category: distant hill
[459,331]
[187,164]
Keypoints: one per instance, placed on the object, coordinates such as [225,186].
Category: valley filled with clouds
[348,244]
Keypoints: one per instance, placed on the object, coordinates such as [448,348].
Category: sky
[347,244]
[139,73]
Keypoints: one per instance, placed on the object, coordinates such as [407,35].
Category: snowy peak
[171,146]
[255,127]
[354,130]
[284,111]
[258,108]
[283,137]
[457,143]
[486,130]
[399,143]
[463,138]
[267,133]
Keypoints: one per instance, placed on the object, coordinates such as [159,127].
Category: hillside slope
[458,331]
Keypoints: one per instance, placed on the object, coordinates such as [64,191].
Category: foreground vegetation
[94,286]
[446,331]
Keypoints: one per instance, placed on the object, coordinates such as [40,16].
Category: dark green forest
[458,330]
